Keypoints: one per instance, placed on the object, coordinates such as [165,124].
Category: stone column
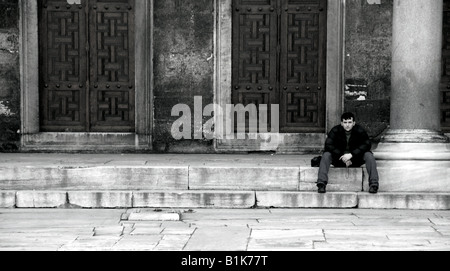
[415,131]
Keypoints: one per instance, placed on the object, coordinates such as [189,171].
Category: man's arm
[364,146]
[331,144]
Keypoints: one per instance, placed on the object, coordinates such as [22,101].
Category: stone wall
[183,50]
[183,66]
[9,76]
[368,62]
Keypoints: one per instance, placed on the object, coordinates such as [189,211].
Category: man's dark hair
[347,116]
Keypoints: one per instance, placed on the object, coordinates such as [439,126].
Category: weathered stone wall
[183,66]
[368,62]
[183,49]
[9,76]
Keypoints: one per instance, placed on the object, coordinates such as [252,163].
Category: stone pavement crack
[436,230]
[249,239]
[431,221]
[190,237]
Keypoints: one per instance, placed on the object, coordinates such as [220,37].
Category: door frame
[289,142]
[34,140]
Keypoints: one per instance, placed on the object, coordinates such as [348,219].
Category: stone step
[222,199]
[208,172]
[245,173]
[218,181]
[177,177]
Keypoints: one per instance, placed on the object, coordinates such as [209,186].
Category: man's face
[348,124]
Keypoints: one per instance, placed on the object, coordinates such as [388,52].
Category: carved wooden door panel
[255,55]
[279,54]
[63,64]
[87,66]
[445,82]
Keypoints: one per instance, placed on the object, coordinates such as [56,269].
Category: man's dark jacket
[359,144]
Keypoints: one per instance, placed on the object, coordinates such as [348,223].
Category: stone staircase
[211,181]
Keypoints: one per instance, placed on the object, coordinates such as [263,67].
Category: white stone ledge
[242,177]
[306,200]
[40,199]
[105,199]
[194,199]
[223,199]
[410,201]
[7,199]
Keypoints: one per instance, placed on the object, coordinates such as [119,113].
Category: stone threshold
[222,200]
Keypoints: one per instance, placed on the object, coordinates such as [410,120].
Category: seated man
[348,145]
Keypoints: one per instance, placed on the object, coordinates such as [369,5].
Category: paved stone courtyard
[223,230]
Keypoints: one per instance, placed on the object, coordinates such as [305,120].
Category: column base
[413,145]
[414,136]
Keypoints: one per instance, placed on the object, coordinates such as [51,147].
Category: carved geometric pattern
[112,47]
[63,46]
[445,109]
[303,2]
[255,52]
[302,108]
[278,58]
[255,98]
[64,106]
[255,49]
[302,66]
[63,60]
[113,106]
[112,60]
[87,55]
[303,48]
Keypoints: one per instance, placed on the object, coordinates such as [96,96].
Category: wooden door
[279,57]
[445,82]
[87,66]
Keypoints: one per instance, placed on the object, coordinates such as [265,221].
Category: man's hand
[346,158]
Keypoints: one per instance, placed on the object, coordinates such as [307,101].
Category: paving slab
[178,231]
[371,245]
[151,215]
[142,230]
[272,225]
[225,214]
[315,234]
[221,223]
[286,244]
[225,230]
[219,238]
[109,231]
[173,242]
[91,243]
[137,243]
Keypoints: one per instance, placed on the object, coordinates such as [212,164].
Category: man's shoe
[373,189]
[322,188]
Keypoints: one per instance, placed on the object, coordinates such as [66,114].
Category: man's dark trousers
[327,161]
